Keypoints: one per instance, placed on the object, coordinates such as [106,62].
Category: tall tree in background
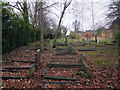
[64,30]
[33,19]
[76,25]
[92,12]
[66,5]
[0,34]
[114,16]
[15,30]
[79,11]
[92,5]
[25,12]
[93,20]
[41,28]
[114,10]
[23,9]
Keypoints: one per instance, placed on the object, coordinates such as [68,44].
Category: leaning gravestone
[37,58]
[66,41]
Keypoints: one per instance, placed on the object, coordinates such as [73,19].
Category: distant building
[112,31]
[87,35]
[108,33]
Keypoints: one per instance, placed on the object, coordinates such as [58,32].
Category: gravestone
[66,41]
[37,58]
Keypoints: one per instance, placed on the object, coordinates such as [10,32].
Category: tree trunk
[33,22]
[58,28]
[65,40]
[41,27]
[95,38]
[25,12]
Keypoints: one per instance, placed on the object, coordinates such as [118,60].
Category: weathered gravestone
[37,58]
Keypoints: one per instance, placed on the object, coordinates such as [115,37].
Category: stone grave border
[49,65]
[65,51]
[31,68]
[86,49]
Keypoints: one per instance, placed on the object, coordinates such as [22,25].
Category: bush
[15,32]
[118,39]
[49,33]
[74,35]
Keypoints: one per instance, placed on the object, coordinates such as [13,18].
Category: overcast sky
[100,10]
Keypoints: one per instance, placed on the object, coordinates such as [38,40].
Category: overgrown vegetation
[16,31]
[74,35]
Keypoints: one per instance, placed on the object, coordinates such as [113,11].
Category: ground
[103,65]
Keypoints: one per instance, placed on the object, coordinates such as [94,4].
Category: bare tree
[76,25]
[66,4]
[93,20]
[43,23]
[38,12]
[23,8]
[33,16]
[42,28]
[92,12]
[64,30]
[78,12]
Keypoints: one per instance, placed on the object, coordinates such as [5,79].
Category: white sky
[100,11]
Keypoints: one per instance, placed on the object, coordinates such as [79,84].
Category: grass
[51,43]
[31,45]
[105,55]
[62,40]
[105,61]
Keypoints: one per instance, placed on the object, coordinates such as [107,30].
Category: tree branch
[50,5]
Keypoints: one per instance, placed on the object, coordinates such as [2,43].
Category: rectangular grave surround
[66,67]
[16,71]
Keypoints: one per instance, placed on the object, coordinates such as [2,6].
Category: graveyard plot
[58,84]
[86,49]
[17,72]
[110,44]
[16,62]
[65,60]
[16,69]
[63,65]
[103,76]
[64,72]
[79,44]
[65,51]
[60,44]
[60,57]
